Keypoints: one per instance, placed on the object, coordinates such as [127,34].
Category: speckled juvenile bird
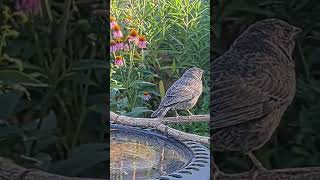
[252,85]
[183,94]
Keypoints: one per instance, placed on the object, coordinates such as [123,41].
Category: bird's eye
[284,34]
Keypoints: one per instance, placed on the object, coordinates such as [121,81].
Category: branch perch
[307,173]
[161,125]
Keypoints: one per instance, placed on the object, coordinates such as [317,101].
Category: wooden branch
[11,171]
[160,124]
[185,119]
[166,120]
[307,173]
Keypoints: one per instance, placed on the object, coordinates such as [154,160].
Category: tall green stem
[82,113]
[3,38]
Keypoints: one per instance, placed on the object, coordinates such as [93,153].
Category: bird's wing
[182,90]
[236,99]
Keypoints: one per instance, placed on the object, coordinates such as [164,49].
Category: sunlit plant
[127,45]
[168,36]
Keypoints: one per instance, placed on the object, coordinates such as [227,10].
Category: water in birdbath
[141,157]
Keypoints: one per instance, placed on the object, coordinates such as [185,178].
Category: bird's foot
[255,171]
[256,168]
[177,115]
[190,113]
[256,163]
[217,172]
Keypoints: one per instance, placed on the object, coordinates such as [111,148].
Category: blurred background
[296,142]
[53,74]
[53,85]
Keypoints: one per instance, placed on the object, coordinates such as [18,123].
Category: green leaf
[162,89]
[140,82]
[177,40]
[17,62]
[17,77]
[86,64]
[174,66]
[137,111]
[82,78]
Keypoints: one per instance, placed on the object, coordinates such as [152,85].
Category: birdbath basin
[144,154]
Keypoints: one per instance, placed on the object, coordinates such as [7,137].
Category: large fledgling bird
[253,83]
[183,94]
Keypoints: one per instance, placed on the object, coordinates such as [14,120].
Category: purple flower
[117,31]
[113,46]
[126,47]
[113,22]
[119,61]
[28,6]
[133,36]
[142,42]
[119,44]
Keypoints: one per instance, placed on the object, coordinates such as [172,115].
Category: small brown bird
[253,83]
[183,94]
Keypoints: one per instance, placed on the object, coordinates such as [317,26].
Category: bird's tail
[160,112]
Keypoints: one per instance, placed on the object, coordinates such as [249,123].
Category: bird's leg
[216,171]
[256,162]
[257,166]
[190,113]
[177,115]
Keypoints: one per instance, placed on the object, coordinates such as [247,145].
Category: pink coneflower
[126,47]
[117,31]
[28,6]
[133,36]
[119,44]
[113,22]
[119,61]
[146,96]
[142,42]
[113,46]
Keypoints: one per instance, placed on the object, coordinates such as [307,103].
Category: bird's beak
[296,32]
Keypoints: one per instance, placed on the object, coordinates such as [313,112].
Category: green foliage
[178,38]
[52,83]
[52,71]
[296,141]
